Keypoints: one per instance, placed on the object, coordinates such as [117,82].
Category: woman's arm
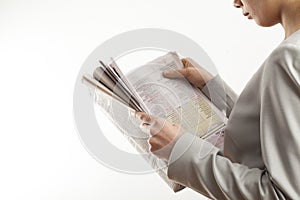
[202,167]
[220,94]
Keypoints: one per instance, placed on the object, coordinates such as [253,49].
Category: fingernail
[137,115]
[132,113]
[167,72]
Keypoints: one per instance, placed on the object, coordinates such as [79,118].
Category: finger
[154,127]
[150,128]
[145,128]
[193,63]
[178,73]
[187,62]
[157,126]
[144,117]
[184,62]
[154,144]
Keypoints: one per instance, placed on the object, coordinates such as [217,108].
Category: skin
[163,134]
[266,13]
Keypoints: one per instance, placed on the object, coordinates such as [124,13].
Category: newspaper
[176,100]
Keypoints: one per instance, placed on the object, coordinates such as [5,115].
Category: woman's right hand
[192,71]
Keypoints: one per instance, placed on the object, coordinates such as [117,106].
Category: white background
[42,46]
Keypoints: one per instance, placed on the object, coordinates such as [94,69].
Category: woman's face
[264,12]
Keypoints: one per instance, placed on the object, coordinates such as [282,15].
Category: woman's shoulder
[284,61]
[289,48]
[287,54]
[285,51]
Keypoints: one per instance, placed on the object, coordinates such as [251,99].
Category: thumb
[178,73]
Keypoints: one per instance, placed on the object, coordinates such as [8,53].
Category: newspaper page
[177,100]
[173,99]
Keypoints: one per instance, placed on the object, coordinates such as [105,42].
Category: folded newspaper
[146,89]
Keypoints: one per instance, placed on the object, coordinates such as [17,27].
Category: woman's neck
[290,17]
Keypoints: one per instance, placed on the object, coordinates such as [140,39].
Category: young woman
[261,158]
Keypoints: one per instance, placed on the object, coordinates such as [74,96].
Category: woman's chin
[264,23]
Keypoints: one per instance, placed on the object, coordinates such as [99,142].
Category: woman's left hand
[163,134]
